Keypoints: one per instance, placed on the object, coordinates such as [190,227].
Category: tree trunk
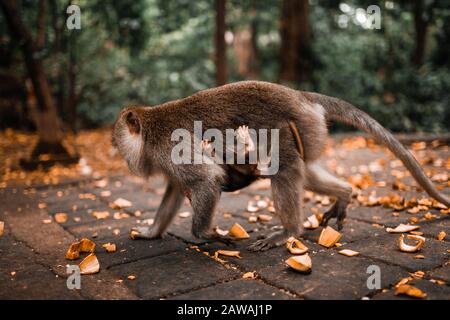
[220,46]
[421,28]
[295,41]
[47,121]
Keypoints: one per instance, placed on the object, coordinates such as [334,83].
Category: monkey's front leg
[171,202]
[204,198]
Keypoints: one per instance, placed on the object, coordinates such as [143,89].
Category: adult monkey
[143,137]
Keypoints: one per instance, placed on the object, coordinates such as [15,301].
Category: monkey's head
[127,138]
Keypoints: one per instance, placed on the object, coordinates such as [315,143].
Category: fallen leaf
[61,217]
[131,277]
[348,252]
[403,281]
[89,265]
[312,222]
[301,263]
[100,214]
[109,247]
[120,215]
[237,231]
[87,245]
[101,183]
[441,236]
[116,232]
[419,256]
[134,234]
[47,221]
[252,206]
[184,214]
[252,219]
[328,237]
[295,246]
[221,231]
[228,253]
[2,228]
[409,248]
[120,203]
[105,193]
[264,217]
[74,251]
[406,289]
[402,228]
[249,275]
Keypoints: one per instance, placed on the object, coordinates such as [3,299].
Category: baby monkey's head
[127,137]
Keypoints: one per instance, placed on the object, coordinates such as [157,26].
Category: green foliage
[151,51]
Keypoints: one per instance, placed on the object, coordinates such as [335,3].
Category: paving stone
[442,273]
[433,227]
[173,273]
[237,289]
[31,280]
[385,248]
[434,291]
[333,276]
[104,227]
[135,249]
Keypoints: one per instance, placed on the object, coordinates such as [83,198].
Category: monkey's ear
[133,123]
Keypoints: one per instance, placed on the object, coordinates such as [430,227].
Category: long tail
[340,110]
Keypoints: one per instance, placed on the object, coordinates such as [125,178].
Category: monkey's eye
[133,122]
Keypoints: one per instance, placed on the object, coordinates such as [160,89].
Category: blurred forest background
[150,51]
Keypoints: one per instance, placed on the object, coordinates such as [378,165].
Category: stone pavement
[32,252]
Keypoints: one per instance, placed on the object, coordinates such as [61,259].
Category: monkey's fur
[143,137]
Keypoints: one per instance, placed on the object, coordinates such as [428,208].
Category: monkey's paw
[275,239]
[144,233]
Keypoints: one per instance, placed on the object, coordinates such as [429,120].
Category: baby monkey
[143,137]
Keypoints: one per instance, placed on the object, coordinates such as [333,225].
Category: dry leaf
[131,277]
[295,246]
[47,221]
[184,214]
[249,275]
[419,256]
[89,265]
[2,228]
[441,236]
[406,289]
[74,251]
[134,234]
[101,183]
[402,228]
[312,222]
[252,219]
[349,253]
[100,214]
[409,248]
[228,253]
[116,232]
[61,217]
[120,215]
[252,206]
[120,203]
[87,245]
[301,263]
[328,237]
[264,217]
[237,231]
[403,281]
[105,193]
[221,231]
[109,247]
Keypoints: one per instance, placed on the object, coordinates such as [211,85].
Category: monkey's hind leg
[287,191]
[171,202]
[321,181]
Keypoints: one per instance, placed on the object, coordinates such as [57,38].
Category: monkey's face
[127,138]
